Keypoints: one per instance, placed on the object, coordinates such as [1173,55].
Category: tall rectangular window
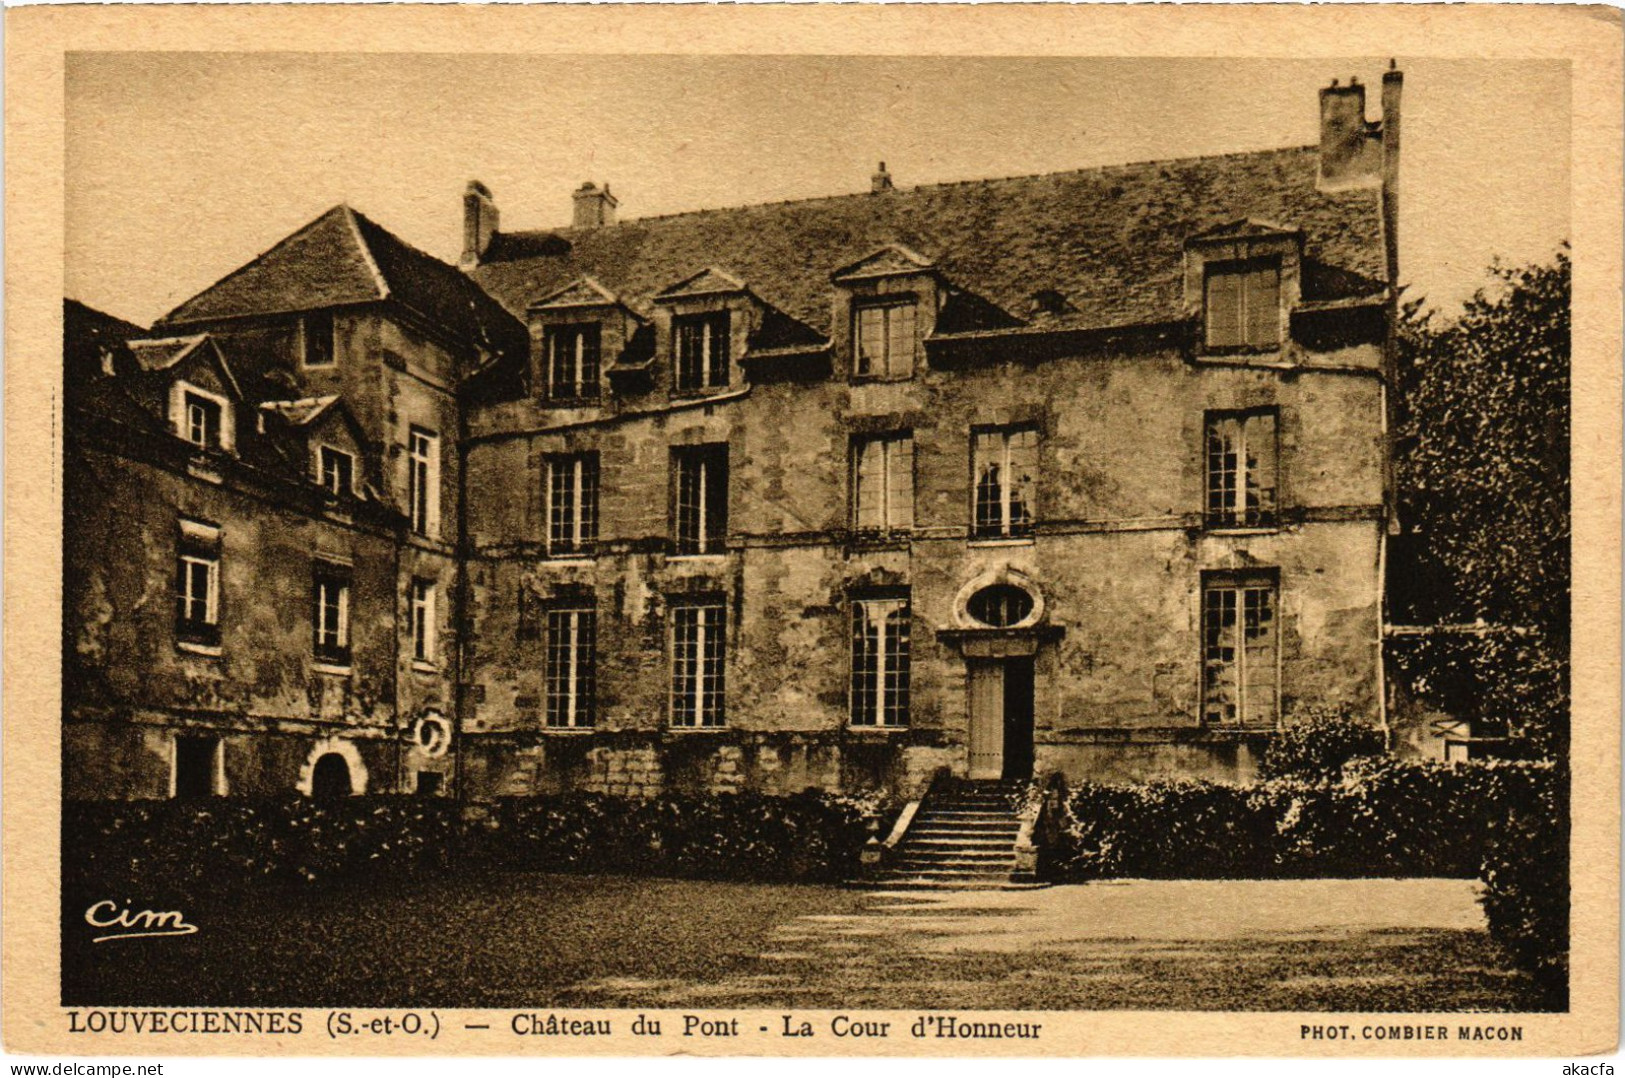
[202,420]
[885,344]
[423,481]
[337,470]
[1241,469]
[698,654]
[332,614]
[316,339]
[883,484]
[1240,658]
[197,584]
[880,662]
[699,499]
[571,674]
[701,347]
[423,621]
[1242,304]
[572,503]
[1004,464]
[572,361]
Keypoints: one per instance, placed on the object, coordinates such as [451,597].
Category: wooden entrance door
[1001,718]
[986,718]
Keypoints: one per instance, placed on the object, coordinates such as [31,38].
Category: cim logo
[126,923]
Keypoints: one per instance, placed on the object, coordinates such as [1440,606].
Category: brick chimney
[1393,81]
[479,222]
[594,207]
[1350,147]
[881,180]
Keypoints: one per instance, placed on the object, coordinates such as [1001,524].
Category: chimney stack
[881,180]
[594,208]
[479,222]
[1393,81]
[1350,148]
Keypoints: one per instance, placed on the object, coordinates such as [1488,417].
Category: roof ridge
[350,216]
[1101,169]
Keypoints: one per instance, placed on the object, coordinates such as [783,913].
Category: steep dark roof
[341,258]
[1108,240]
[91,338]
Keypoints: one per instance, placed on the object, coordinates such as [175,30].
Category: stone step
[992,868]
[959,823]
[954,874]
[977,853]
[959,842]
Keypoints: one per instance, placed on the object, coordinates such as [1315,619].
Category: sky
[183,166]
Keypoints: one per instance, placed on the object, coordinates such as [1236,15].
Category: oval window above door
[1000,606]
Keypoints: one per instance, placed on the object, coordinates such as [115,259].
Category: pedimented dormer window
[573,356]
[700,346]
[579,335]
[886,303]
[1242,304]
[885,338]
[1241,282]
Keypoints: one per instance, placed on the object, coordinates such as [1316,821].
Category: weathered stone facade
[1070,318]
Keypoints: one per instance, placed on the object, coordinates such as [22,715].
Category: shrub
[1526,889]
[806,836]
[1318,746]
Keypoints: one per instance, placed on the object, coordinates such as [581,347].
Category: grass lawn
[515,939]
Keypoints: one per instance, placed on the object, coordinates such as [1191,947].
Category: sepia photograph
[867,550]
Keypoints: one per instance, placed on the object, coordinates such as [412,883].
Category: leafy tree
[1482,472]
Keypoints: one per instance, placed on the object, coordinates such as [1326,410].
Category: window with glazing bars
[571,672]
[197,584]
[423,621]
[423,481]
[202,421]
[1004,463]
[332,614]
[572,361]
[1242,304]
[701,346]
[699,499]
[883,484]
[1241,469]
[698,655]
[880,662]
[572,503]
[337,470]
[1240,650]
[885,343]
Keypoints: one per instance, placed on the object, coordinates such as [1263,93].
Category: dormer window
[701,351]
[202,421]
[200,417]
[884,339]
[335,470]
[1242,304]
[316,339]
[572,361]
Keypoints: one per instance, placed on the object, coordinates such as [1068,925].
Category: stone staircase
[963,836]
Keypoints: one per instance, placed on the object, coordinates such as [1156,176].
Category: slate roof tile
[1111,240]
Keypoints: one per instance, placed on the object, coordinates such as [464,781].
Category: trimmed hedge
[807,836]
[205,845]
[1319,746]
[1503,821]
[218,844]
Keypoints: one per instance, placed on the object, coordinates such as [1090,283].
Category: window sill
[699,394]
[572,402]
[211,651]
[697,729]
[569,731]
[720,555]
[570,557]
[335,669]
[1236,529]
[875,730]
[997,541]
[423,666]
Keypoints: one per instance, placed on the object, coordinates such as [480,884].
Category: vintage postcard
[828,530]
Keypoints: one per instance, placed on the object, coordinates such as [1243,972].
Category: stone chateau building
[1080,473]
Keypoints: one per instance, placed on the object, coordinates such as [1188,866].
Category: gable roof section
[300,412]
[889,261]
[155,356]
[1110,239]
[708,282]
[581,292]
[344,258]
